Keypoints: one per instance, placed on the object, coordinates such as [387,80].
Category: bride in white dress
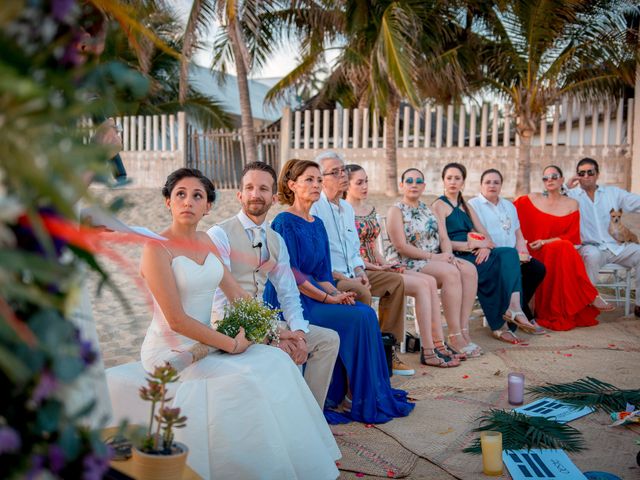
[250,413]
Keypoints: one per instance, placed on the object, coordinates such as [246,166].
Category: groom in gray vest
[254,253]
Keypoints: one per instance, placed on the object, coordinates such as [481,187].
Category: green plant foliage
[257,319]
[167,418]
[46,87]
[521,431]
[589,392]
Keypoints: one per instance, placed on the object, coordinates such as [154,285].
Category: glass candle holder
[516,388]
[491,444]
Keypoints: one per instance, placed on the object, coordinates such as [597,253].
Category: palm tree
[242,41]
[162,68]
[538,52]
[389,51]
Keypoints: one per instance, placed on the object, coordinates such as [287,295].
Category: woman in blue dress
[499,280]
[360,382]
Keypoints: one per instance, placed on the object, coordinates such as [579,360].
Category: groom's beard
[257,208]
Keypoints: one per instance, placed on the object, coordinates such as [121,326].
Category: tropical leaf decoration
[589,392]
[522,431]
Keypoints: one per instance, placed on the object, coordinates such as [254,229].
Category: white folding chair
[619,278]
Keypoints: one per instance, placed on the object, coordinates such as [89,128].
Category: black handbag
[389,343]
[411,343]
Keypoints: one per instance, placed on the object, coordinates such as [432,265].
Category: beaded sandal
[447,349]
[434,360]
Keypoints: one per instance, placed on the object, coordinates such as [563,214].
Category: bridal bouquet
[257,318]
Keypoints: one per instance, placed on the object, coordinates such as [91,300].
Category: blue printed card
[553,409]
[540,464]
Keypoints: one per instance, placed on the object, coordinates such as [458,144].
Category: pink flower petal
[359,474]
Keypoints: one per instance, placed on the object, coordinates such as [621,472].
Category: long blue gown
[361,357]
[498,276]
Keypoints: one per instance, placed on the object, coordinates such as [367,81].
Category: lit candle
[491,443]
[516,388]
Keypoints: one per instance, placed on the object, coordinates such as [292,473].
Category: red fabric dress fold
[563,299]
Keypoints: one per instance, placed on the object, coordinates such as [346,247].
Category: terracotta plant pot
[147,466]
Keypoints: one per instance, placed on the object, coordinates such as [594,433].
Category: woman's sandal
[511,316]
[470,350]
[500,335]
[471,345]
[434,360]
[446,349]
[607,307]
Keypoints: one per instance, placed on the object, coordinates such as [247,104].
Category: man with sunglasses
[596,201]
[347,264]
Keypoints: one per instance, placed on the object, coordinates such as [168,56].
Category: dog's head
[616,215]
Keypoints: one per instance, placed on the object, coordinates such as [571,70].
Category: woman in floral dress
[415,244]
[421,287]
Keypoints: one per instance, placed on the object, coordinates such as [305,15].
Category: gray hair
[328,155]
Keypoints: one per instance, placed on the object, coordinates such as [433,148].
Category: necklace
[503,216]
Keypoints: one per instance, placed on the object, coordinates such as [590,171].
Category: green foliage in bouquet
[166,418]
[521,431]
[46,88]
[589,392]
[258,319]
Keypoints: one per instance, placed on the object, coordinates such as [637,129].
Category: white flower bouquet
[258,319]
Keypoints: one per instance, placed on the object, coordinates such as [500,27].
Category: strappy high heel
[446,349]
[433,359]
[472,345]
[510,316]
[469,350]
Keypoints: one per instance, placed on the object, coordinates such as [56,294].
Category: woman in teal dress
[499,280]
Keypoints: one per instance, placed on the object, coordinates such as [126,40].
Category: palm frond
[521,431]
[589,392]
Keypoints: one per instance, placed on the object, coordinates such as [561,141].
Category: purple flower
[9,440]
[94,467]
[87,353]
[60,8]
[56,458]
[37,466]
[45,388]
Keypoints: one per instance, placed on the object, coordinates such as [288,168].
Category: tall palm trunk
[247,129]
[523,184]
[188,41]
[390,151]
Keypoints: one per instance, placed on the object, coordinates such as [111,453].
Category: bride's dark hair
[181,173]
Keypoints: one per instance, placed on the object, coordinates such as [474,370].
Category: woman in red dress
[550,222]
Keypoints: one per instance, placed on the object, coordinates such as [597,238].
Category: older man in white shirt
[347,264]
[256,254]
[596,201]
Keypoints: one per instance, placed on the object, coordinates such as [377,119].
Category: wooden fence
[479,138]
[220,154]
[427,138]
[437,126]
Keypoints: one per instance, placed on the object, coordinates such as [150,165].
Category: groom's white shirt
[280,276]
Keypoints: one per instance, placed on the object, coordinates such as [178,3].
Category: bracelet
[235,346]
[326,295]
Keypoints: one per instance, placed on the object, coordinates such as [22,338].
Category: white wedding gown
[250,416]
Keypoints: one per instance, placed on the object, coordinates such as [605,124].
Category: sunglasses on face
[590,172]
[419,181]
[553,176]
[336,172]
